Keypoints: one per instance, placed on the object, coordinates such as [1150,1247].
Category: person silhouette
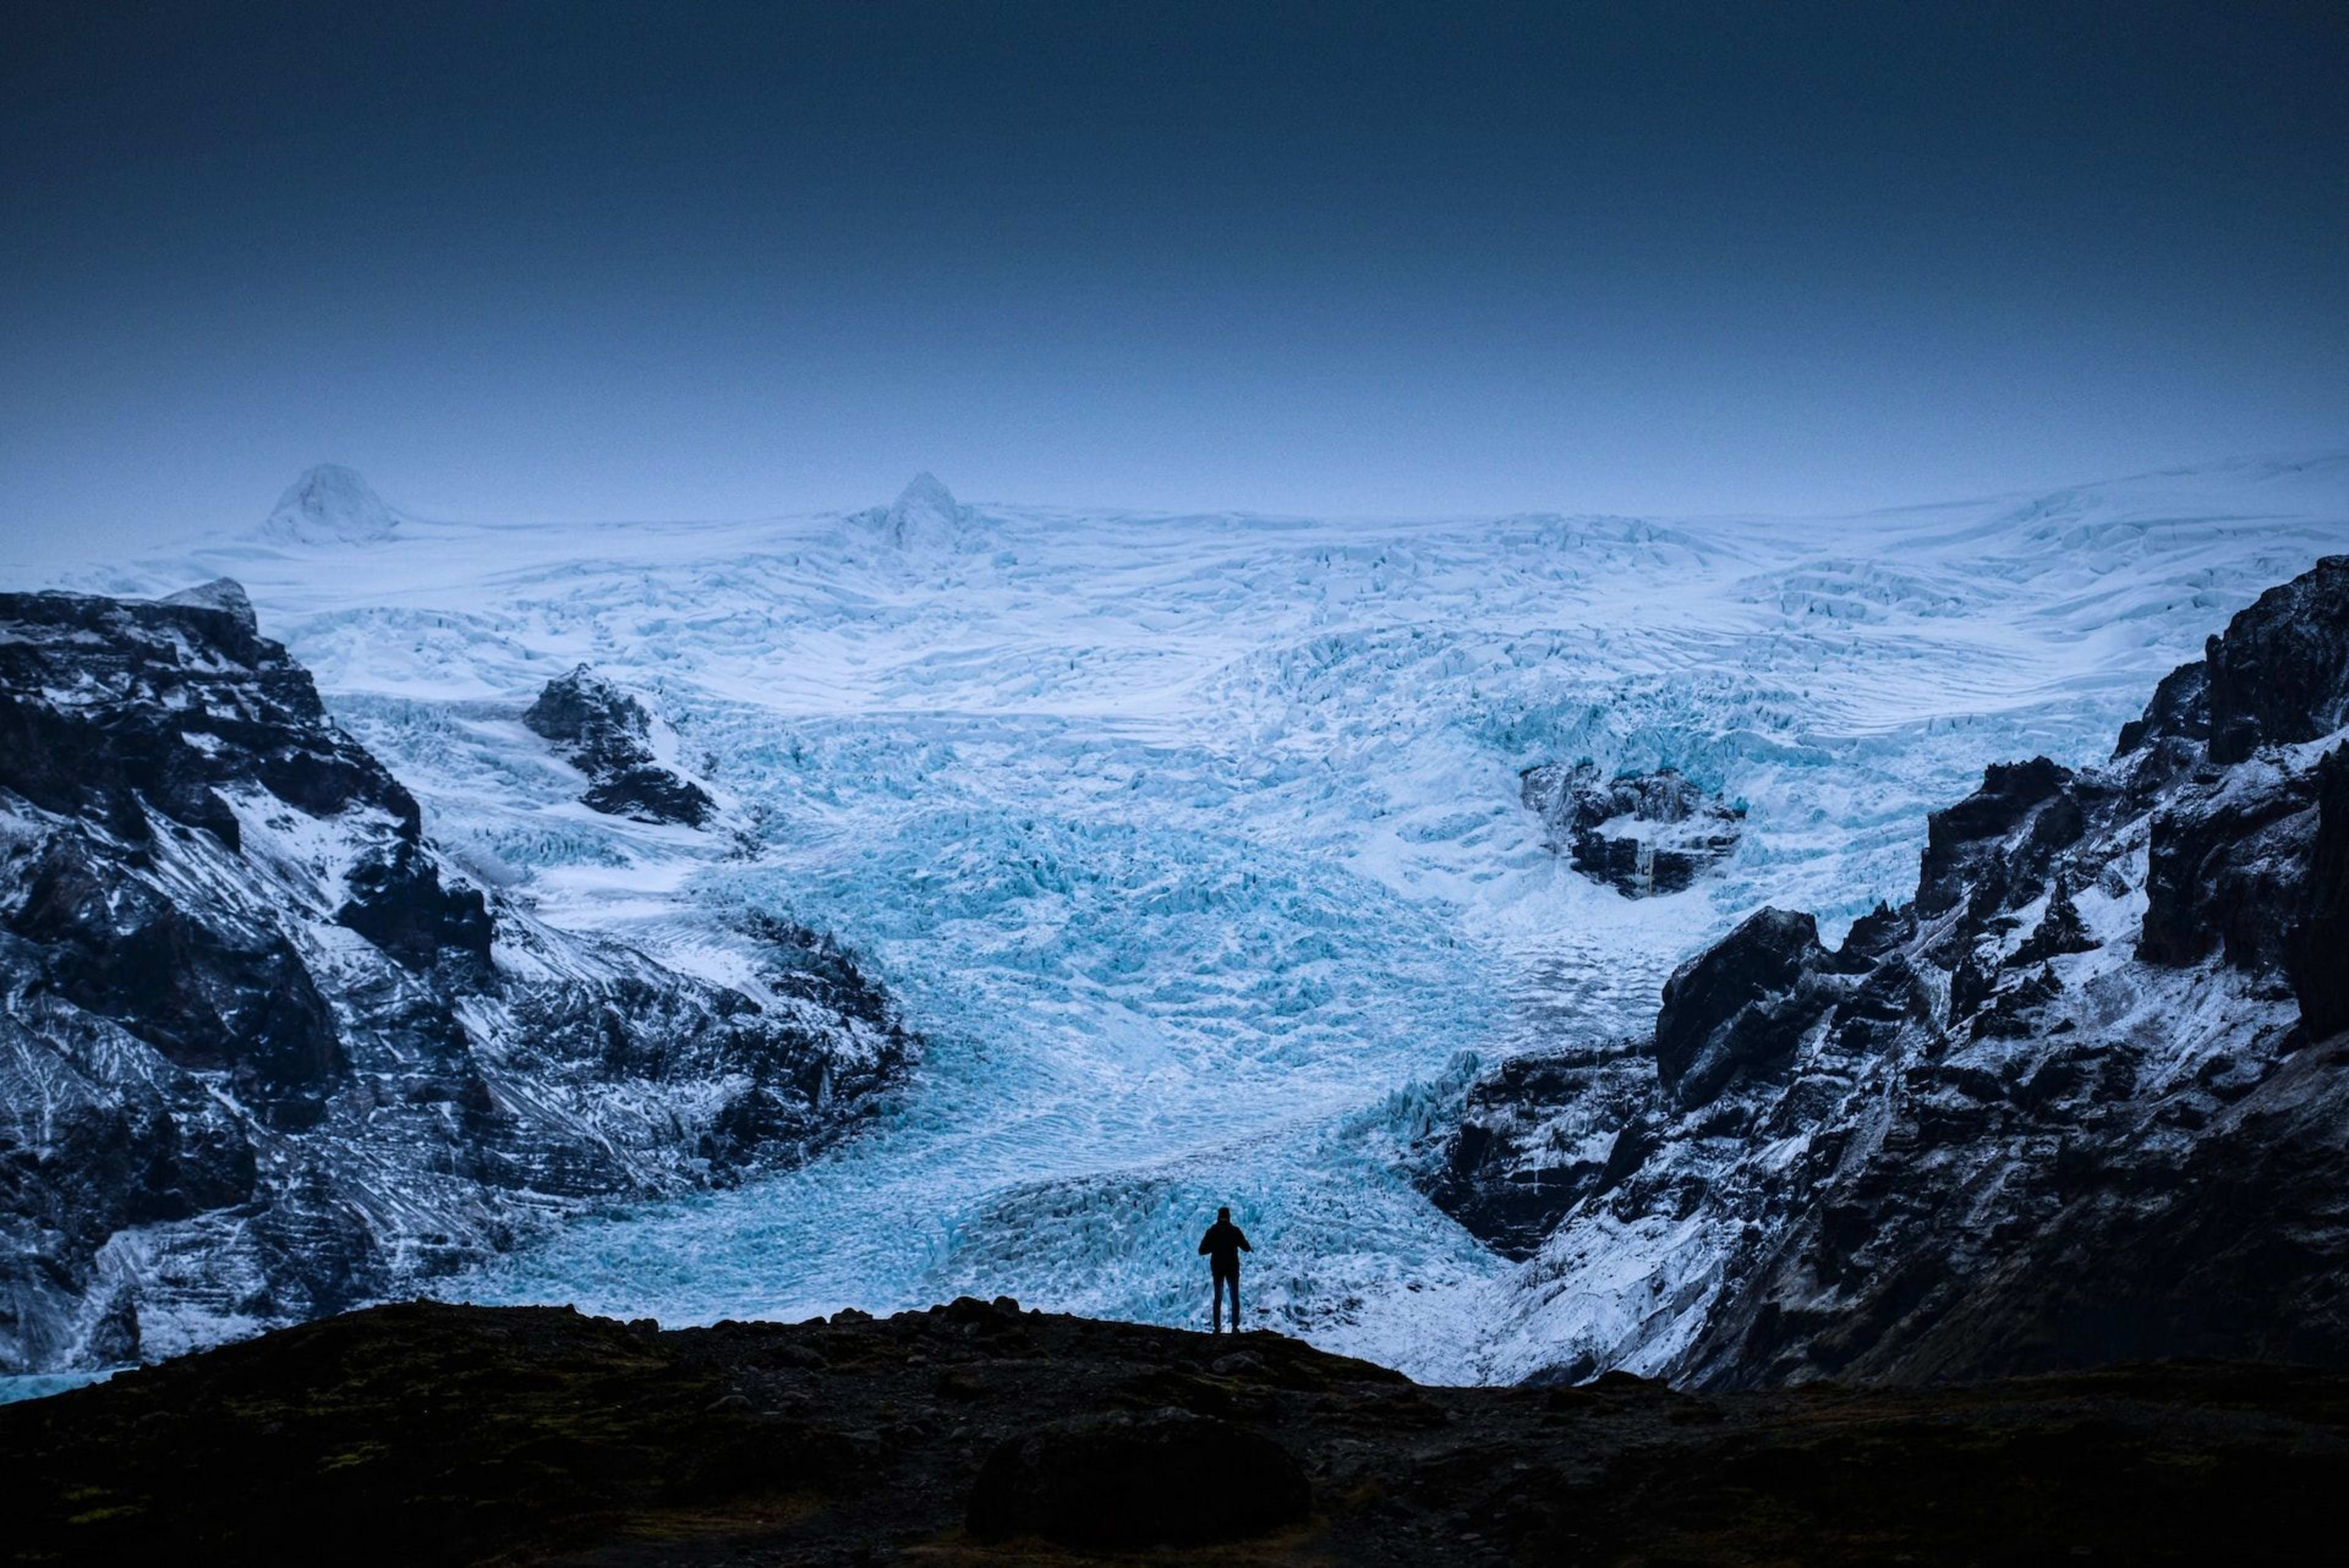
[1222,1247]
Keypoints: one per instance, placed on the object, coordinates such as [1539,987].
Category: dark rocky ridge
[430,1434]
[264,1055]
[607,735]
[2083,1097]
[1679,832]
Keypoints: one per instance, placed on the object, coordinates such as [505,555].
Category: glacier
[1193,845]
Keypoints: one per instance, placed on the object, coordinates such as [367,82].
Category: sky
[594,260]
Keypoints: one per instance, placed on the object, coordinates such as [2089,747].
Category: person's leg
[1235,1300]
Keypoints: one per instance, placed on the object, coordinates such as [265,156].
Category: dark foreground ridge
[978,1433]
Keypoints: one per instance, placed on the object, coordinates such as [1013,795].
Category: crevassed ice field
[1192,844]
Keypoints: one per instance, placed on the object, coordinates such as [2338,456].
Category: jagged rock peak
[330,504]
[2280,675]
[220,594]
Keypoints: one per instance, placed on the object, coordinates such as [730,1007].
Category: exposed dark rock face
[182,701]
[2319,961]
[473,1435]
[2229,1243]
[262,1055]
[2082,1098]
[1740,1007]
[2180,710]
[1641,833]
[2228,853]
[2060,929]
[1971,848]
[1513,1168]
[2280,675]
[1127,1479]
[607,735]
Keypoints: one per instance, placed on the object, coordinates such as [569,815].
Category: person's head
[1223,1214]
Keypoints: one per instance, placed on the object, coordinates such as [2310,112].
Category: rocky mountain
[1639,833]
[607,735]
[329,504]
[2083,1097]
[264,1054]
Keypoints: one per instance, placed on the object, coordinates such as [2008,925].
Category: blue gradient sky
[584,260]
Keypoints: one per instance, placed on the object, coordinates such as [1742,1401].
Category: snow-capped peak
[926,492]
[925,516]
[330,504]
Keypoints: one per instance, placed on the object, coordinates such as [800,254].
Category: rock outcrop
[607,735]
[1639,833]
[1537,1135]
[1741,1008]
[2319,961]
[263,1055]
[2081,1098]
[2280,676]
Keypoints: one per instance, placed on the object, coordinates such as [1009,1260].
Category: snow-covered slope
[264,1055]
[1195,844]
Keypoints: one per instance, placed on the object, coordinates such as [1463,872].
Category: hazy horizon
[46,550]
[1681,260]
